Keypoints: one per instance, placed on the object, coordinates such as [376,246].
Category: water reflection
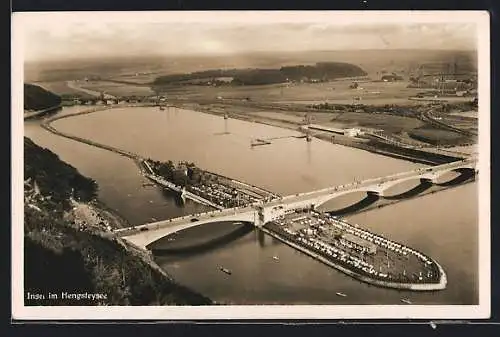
[261,237]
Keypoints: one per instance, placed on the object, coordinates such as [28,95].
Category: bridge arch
[144,235]
[426,180]
[366,200]
[464,174]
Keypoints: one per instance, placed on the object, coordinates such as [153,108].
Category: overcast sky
[53,38]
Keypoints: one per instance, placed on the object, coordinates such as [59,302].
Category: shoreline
[284,124]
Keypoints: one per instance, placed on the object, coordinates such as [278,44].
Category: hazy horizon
[53,40]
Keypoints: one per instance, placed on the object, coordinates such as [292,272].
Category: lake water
[287,166]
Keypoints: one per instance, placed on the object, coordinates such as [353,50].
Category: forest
[323,71]
[37,98]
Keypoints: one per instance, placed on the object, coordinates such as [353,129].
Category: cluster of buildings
[351,246]
[222,195]
[216,189]
[101,101]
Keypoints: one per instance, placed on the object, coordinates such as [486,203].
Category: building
[357,243]
[180,174]
[391,78]
[325,128]
[352,132]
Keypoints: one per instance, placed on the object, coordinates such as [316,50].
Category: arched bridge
[268,210]
[376,185]
[146,234]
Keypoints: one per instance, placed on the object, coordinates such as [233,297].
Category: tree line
[323,71]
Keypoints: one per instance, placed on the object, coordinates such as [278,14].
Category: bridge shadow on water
[465,175]
[190,246]
[422,187]
[370,199]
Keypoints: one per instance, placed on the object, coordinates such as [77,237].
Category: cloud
[90,39]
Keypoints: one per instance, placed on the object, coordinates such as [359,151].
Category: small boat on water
[276,258]
[405,300]
[225,270]
[341,294]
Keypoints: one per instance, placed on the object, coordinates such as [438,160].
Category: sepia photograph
[250,165]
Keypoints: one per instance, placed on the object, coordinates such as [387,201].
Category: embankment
[47,126]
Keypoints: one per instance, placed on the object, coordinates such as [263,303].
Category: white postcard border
[236,312]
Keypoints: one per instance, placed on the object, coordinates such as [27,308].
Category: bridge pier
[375,193]
[266,211]
[427,180]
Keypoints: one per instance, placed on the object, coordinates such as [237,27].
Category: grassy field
[118,89]
[390,123]
[437,136]
[307,93]
[61,88]
[141,78]
[472,114]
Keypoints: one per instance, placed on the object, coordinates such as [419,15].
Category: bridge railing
[196,215]
[383,179]
[273,201]
[163,223]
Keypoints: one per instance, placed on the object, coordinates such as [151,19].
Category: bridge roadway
[267,210]
[376,185]
[145,234]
